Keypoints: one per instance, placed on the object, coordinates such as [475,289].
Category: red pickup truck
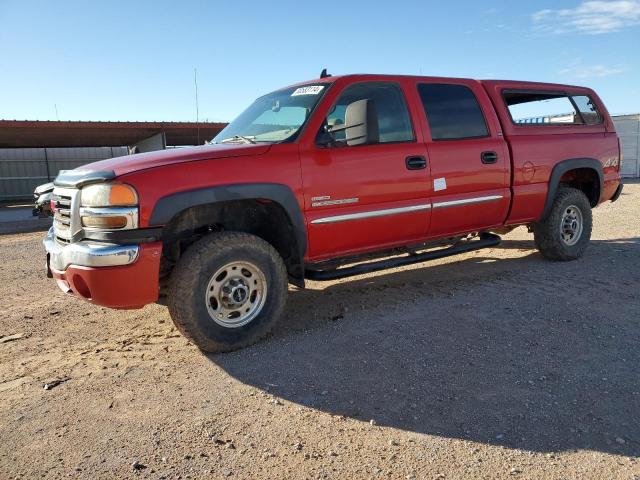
[329,178]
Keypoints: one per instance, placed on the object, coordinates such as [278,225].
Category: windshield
[274,117]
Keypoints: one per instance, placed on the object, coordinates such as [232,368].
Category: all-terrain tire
[568,205]
[191,281]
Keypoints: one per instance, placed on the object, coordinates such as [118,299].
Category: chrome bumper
[88,253]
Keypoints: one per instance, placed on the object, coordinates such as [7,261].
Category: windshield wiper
[236,138]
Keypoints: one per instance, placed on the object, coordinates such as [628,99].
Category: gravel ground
[492,364]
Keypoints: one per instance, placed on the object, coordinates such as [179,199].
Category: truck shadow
[518,352]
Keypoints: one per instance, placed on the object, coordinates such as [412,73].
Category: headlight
[108,195]
[106,206]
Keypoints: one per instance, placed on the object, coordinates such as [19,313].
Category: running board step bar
[486,240]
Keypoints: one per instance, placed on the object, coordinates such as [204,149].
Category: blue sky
[134,60]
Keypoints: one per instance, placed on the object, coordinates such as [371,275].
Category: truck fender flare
[563,167]
[169,206]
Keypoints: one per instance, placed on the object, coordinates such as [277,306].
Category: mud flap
[49,274]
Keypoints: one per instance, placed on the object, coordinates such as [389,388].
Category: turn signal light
[122,195]
[104,222]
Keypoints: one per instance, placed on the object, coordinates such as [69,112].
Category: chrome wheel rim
[571,225]
[235,294]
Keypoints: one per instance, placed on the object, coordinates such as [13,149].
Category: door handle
[415,163]
[488,157]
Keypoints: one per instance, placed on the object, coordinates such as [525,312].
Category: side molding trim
[465,201]
[399,210]
[370,214]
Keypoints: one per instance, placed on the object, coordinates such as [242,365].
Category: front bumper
[88,254]
[116,276]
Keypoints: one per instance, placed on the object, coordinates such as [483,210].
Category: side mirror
[360,126]
[361,123]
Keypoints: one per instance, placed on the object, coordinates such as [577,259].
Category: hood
[142,161]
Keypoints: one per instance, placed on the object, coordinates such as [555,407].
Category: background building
[628,128]
[33,152]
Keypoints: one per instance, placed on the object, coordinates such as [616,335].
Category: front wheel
[227,291]
[565,233]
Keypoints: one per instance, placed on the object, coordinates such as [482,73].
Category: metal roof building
[32,152]
[628,128]
[30,133]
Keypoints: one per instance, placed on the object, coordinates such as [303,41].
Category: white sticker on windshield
[310,90]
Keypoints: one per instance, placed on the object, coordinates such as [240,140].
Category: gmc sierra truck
[327,179]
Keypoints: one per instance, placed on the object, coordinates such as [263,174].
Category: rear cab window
[453,111]
[540,108]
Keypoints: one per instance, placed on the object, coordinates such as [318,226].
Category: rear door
[469,158]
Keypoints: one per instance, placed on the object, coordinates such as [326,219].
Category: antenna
[324,73]
[195,82]
[56,108]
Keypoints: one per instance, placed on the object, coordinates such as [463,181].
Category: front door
[469,158]
[367,196]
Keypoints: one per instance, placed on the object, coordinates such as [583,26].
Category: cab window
[453,112]
[386,103]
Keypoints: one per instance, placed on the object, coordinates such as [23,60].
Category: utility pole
[195,82]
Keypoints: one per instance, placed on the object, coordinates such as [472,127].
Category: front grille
[62,217]
[65,216]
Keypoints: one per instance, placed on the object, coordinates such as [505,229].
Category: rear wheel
[227,291]
[565,233]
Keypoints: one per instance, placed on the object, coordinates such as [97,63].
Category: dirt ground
[492,364]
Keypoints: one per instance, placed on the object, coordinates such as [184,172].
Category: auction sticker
[310,90]
[439,184]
